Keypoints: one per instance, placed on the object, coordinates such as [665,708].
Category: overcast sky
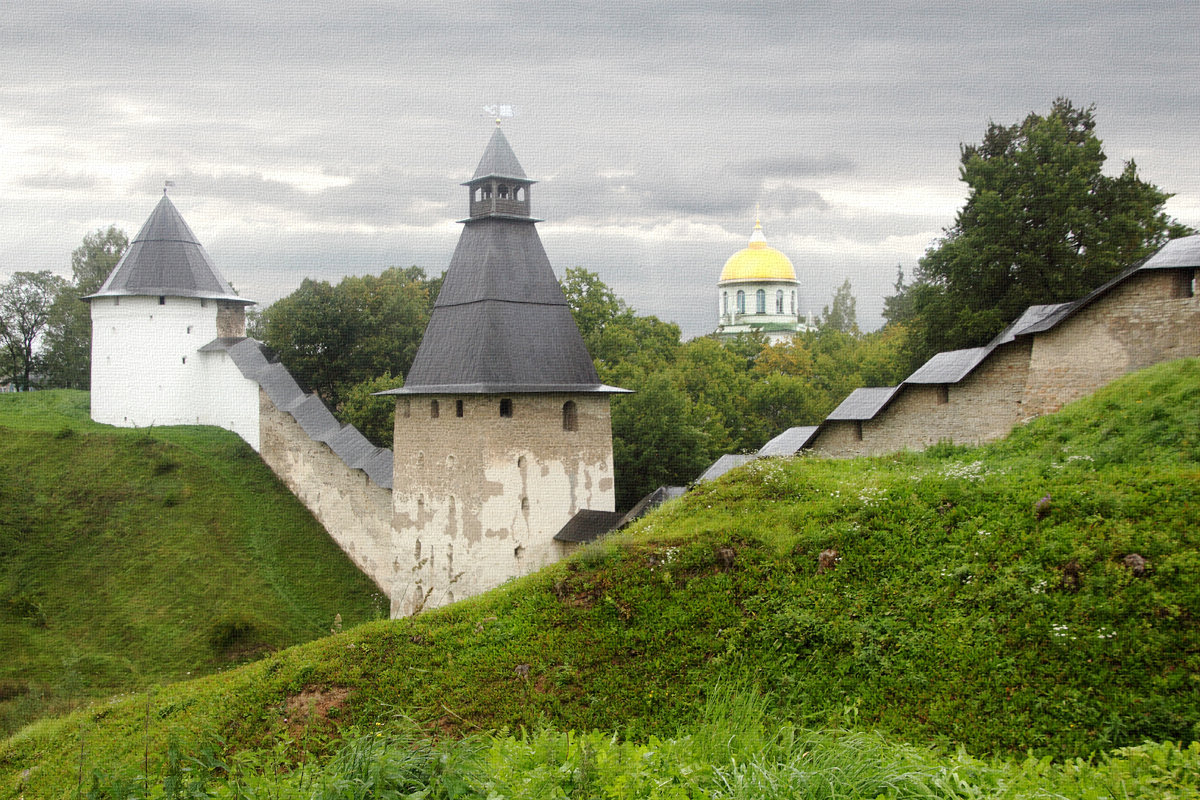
[327,139]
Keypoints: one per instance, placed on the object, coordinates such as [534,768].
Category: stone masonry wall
[479,498]
[231,319]
[838,439]
[984,406]
[1140,322]
[356,513]
[1137,324]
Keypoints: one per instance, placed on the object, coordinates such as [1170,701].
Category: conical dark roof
[501,323]
[499,161]
[165,258]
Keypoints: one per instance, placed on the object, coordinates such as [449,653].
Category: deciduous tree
[332,338]
[373,416]
[25,302]
[66,357]
[1042,224]
[67,349]
[841,315]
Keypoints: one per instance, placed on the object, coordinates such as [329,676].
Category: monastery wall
[224,397]
[840,439]
[1151,317]
[983,407]
[356,513]
[1145,320]
[479,497]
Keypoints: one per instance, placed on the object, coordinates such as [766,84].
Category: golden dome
[758,262]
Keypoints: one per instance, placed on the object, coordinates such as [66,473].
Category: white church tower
[161,324]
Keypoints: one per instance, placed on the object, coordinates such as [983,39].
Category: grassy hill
[135,557]
[1038,594]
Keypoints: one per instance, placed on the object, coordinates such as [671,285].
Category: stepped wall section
[1143,318]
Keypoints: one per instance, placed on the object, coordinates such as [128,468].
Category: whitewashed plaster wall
[147,368]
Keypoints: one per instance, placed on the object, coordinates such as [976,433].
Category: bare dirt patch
[315,707]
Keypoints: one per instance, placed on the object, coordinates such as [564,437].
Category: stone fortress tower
[503,456]
[151,321]
[502,433]
[758,292]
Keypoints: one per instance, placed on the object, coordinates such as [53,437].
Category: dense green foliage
[25,301]
[1042,224]
[66,357]
[132,557]
[332,338]
[737,751]
[45,329]
[1035,594]
[695,401]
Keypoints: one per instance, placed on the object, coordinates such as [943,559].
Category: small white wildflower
[974,471]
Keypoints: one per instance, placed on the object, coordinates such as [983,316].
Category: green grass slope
[133,557]
[1039,593]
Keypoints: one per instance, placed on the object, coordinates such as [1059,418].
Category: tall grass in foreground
[736,752]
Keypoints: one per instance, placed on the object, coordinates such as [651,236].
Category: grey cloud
[692,109]
[657,197]
[59,179]
[798,166]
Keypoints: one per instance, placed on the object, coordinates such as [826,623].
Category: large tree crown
[1042,223]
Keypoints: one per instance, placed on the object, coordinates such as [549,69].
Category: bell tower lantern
[499,186]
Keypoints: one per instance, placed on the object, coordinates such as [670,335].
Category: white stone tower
[503,433]
[151,321]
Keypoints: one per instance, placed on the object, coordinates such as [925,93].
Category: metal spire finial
[500,112]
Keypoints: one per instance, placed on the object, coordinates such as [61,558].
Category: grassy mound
[134,557]
[1037,594]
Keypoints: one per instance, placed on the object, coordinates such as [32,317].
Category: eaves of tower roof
[166,258]
[501,323]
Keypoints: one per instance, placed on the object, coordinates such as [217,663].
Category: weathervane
[500,112]
[168,185]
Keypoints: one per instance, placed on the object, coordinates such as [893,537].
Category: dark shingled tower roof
[165,258]
[501,323]
[498,161]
